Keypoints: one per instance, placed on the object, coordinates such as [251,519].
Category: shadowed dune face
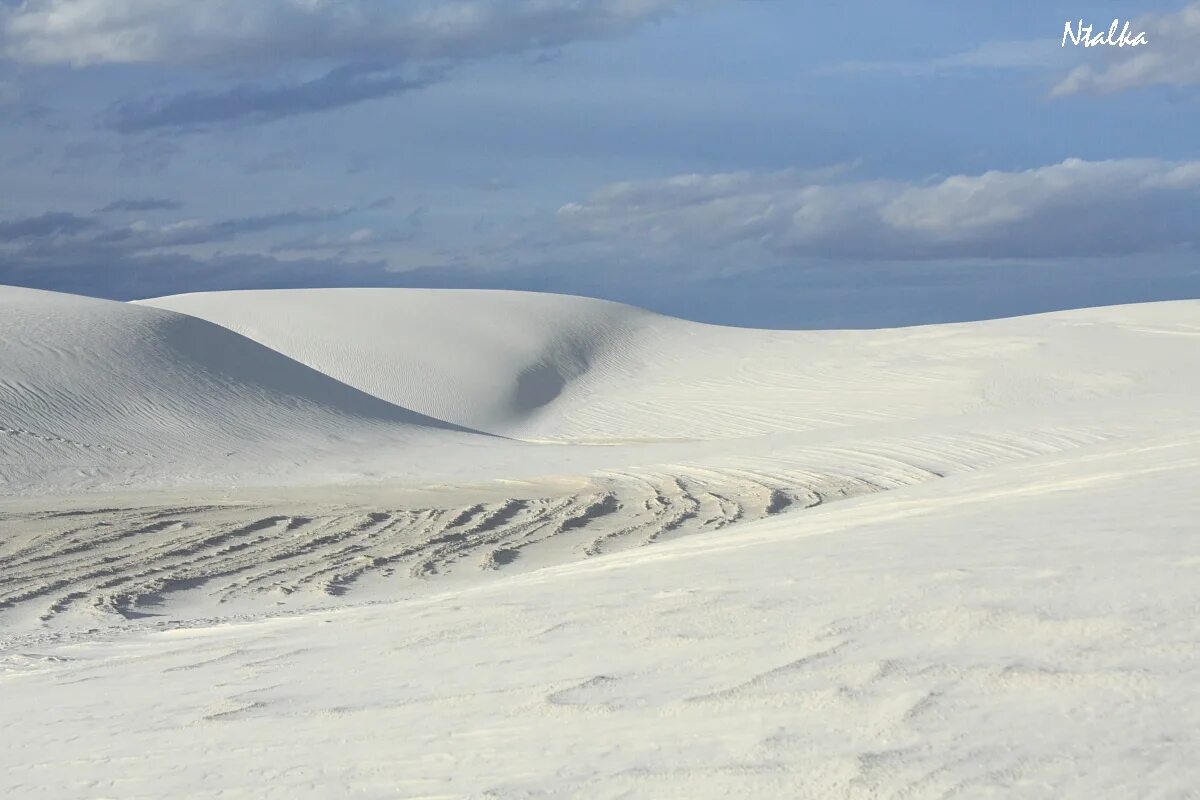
[542,383]
[538,386]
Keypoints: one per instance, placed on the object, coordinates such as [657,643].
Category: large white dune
[97,391]
[486,359]
[392,543]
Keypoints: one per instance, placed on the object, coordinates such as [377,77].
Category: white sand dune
[490,360]
[97,391]
[569,369]
[393,543]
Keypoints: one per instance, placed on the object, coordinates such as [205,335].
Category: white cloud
[1171,57]
[1072,208]
[218,31]
[1020,54]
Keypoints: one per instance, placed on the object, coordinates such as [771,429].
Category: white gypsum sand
[391,543]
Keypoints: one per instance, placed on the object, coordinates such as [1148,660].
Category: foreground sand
[392,545]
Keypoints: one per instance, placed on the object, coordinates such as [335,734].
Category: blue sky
[753,162]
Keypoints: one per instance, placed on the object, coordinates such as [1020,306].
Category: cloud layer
[1073,208]
[222,31]
[313,55]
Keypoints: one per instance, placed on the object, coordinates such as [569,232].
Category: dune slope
[92,390]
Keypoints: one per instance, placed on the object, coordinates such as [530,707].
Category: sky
[749,162]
